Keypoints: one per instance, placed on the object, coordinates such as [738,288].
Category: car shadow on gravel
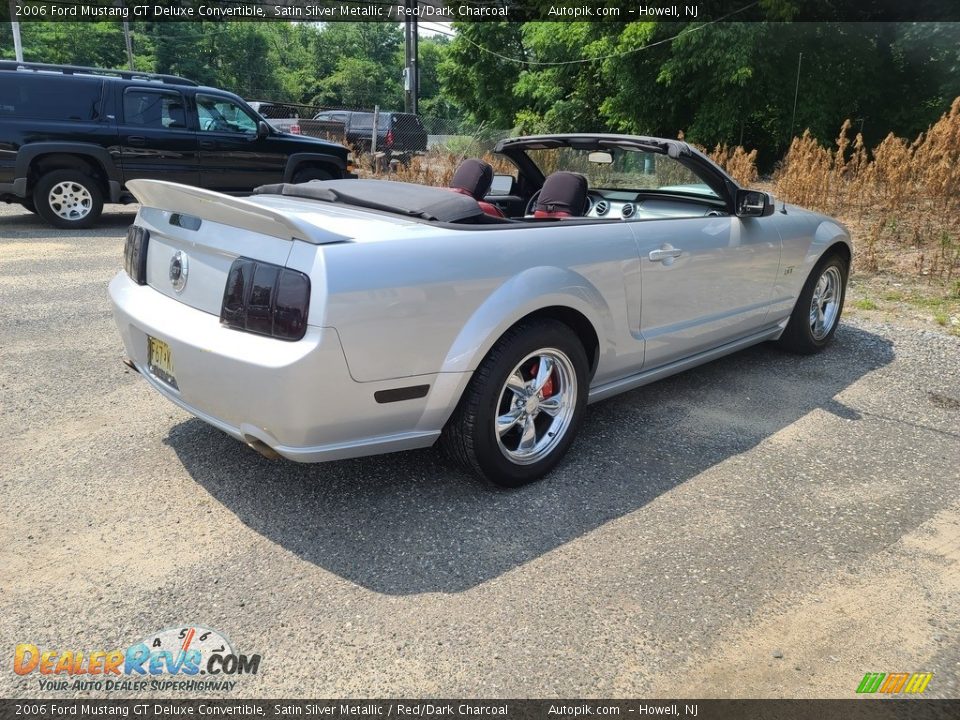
[412,523]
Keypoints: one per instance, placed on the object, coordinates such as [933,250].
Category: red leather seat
[563,195]
[474,178]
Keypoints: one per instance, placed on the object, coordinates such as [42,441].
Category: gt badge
[179,267]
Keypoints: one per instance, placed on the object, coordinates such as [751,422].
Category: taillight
[135,254]
[266,299]
[295,129]
[389,142]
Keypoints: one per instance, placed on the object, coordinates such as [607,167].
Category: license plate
[160,361]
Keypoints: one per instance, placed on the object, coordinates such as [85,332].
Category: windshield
[629,170]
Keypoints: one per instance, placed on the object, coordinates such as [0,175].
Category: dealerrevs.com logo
[190,659]
[893,683]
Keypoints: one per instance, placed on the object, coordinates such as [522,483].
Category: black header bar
[854,709]
[486,10]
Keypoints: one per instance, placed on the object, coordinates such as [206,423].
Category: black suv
[398,134]
[71,137]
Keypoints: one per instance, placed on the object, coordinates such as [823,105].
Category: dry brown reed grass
[739,164]
[902,199]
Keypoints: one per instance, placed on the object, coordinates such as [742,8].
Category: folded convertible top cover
[419,201]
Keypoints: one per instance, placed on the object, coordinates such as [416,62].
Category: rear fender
[76,155]
[94,153]
[532,290]
[298,161]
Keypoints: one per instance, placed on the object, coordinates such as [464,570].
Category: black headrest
[563,192]
[475,176]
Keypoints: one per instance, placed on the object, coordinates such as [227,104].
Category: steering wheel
[532,203]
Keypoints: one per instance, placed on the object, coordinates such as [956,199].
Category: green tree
[482,82]
[561,97]
[358,83]
[357,65]
[98,44]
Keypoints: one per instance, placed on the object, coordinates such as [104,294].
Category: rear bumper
[295,397]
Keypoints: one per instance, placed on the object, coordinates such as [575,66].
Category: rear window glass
[359,121]
[407,121]
[275,112]
[49,97]
[154,109]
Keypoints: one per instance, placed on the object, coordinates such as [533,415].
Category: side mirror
[262,130]
[501,185]
[754,203]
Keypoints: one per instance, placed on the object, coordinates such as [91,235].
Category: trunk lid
[197,234]
[203,232]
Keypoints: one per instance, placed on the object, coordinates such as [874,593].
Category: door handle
[667,253]
[137,140]
[207,144]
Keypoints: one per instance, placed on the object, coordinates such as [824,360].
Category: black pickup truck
[399,135]
[71,137]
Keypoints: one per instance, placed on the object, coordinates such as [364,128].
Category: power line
[438,30]
[548,63]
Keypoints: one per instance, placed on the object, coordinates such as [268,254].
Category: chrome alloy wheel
[536,405]
[825,304]
[70,200]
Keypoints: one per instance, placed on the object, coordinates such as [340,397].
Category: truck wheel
[309,174]
[521,410]
[68,199]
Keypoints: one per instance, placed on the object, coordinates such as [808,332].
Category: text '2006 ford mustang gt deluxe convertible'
[334,319]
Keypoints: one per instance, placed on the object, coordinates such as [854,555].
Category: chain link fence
[387,142]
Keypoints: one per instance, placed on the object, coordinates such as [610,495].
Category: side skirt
[645,377]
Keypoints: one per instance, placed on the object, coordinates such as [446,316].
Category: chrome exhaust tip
[261,447]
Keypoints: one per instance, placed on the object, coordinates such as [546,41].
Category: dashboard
[639,206]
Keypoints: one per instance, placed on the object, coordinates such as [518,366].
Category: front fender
[828,233]
[529,291]
[806,237]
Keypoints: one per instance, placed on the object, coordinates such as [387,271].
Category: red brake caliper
[547,390]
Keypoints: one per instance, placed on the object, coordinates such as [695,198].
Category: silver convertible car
[334,319]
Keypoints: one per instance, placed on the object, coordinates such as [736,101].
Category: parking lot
[763,526]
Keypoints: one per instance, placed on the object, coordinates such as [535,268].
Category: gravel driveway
[765,525]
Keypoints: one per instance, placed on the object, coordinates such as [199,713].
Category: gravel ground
[762,526]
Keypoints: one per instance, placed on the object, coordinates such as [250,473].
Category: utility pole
[129,42]
[414,62]
[126,37]
[407,103]
[17,45]
[410,51]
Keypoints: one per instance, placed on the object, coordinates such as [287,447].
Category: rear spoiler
[228,210]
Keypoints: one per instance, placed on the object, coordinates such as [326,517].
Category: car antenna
[793,119]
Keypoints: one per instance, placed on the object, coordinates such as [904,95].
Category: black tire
[28,205]
[800,336]
[308,174]
[470,437]
[86,193]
